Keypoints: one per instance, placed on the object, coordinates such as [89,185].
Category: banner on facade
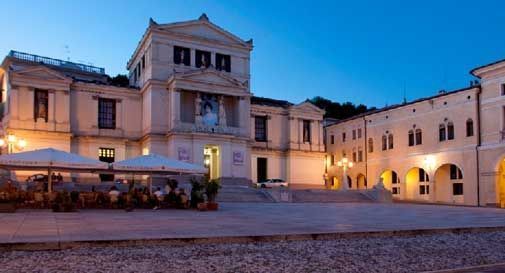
[183,154]
[238,158]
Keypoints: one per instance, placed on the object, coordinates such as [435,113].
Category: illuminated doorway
[500,187]
[211,161]
[391,182]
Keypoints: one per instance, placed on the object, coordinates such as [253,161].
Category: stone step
[328,196]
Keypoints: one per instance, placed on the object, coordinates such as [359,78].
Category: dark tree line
[119,80]
[339,110]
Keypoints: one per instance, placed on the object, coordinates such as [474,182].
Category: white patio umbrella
[156,164]
[51,160]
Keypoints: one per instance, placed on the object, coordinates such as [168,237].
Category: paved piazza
[239,219]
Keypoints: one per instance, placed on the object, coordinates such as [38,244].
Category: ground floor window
[424,189]
[457,189]
[396,190]
[261,163]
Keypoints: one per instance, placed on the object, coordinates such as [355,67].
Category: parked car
[271,183]
[39,177]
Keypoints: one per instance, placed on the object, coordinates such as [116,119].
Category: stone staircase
[328,196]
[239,193]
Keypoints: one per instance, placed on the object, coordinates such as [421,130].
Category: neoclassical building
[449,148]
[189,98]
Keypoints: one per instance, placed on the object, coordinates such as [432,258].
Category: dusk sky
[369,52]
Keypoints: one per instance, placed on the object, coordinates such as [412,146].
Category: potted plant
[197,191]
[7,204]
[211,190]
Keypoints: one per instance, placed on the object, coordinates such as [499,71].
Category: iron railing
[56,62]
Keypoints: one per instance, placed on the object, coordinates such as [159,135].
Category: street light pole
[345,164]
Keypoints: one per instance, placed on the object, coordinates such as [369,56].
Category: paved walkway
[238,219]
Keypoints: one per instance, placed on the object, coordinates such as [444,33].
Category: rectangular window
[455,172]
[419,137]
[40,106]
[332,139]
[106,155]
[441,132]
[332,160]
[396,190]
[422,189]
[306,131]
[457,188]
[360,156]
[503,89]
[353,134]
[143,61]
[106,113]
[422,175]
[359,133]
[354,156]
[450,131]
[394,178]
[182,55]
[260,128]
[343,135]
[138,70]
[411,138]
[202,58]
[223,62]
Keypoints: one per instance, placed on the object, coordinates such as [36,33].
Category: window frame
[411,141]
[187,55]
[450,130]
[418,135]
[370,145]
[261,136]
[38,95]
[104,110]
[306,125]
[227,59]
[442,132]
[469,128]
[198,58]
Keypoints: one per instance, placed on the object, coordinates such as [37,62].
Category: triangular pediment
[41,72]
[307,106]
[203,28]
[210,76]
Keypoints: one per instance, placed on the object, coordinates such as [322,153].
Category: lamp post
[12,142]
[345,164]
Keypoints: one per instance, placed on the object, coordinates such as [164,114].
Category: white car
[271,183]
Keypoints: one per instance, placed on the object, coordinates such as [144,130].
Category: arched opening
[349,182]
[391,182]
[417,185]
[449,186]
[500,185]
[361,181]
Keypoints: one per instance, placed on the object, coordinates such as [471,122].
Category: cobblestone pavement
[239,219]
[373,254]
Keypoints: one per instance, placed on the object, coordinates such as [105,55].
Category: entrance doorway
[500,190]
[261,169]
[211,161]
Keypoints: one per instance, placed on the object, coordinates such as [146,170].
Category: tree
[120,80]
[337,110]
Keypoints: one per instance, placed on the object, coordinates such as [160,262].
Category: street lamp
[12,142]
[345,164]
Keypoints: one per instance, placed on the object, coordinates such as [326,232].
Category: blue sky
[370,52]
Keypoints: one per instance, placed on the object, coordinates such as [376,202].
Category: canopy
[154,163]
[50,159]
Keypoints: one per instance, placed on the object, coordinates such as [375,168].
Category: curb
[472,269]
[62,245]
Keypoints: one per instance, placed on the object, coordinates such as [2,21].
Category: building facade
[448,148]
[188,97]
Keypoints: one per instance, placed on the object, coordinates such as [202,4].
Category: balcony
[55,62]
[184,127]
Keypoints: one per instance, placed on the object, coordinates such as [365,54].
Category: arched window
[384,142]
[411,138]
[419,137]
[469,127]
[370,145]
[450,131]
[390,141]
[441,132]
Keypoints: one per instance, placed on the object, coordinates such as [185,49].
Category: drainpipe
[478,143]
[366,152]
